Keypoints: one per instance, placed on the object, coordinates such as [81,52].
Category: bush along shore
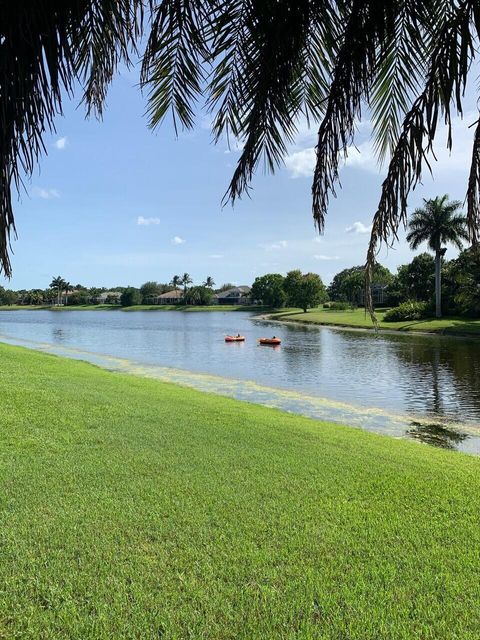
[137,509]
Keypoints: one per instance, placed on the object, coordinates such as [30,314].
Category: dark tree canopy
[268,290]
[200,295]
[416,280]
[130,297]
[465,272]
[304,290]
[348,282]
[150,290]
[257,67]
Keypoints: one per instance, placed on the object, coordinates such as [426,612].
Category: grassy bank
[357,318]
[136,509]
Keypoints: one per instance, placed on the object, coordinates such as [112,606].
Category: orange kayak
[273,341]
[234,338]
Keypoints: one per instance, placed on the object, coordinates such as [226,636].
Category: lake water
[417,386]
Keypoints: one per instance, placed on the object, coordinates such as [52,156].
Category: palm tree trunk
[438,283]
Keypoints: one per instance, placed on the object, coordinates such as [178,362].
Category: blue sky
[114,204]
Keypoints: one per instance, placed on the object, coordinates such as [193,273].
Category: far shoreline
[354,319]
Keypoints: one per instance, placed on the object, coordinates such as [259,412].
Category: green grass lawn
[132,508]
[358,318]
[21,307]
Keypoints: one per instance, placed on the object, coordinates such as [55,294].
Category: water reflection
[436,435]
[445,373]
[58,335]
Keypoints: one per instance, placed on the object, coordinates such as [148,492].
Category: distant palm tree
[209,282]
[437,223]
[67,287]
[58,283]
[176,280]
[186,280]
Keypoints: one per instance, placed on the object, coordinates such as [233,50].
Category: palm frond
[473,191]
[45,47]
[368,23]
[400,70]
[448,70]
[275,85]
[173,65]
[107,36]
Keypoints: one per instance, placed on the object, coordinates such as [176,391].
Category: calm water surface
[420,386]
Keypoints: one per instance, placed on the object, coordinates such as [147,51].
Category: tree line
[422,287]
[62,292]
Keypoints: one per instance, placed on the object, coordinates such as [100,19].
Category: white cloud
[177,240]
[281,244]
[323,257]
[358,227]
[145,222]
[301,164]
[362,157]
[61,143]
[46,194]
[215,256]
[317,239]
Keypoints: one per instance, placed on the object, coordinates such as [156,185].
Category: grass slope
[358,318]
[136,509]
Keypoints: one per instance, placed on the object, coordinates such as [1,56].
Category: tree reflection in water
[436,435]
[444,373]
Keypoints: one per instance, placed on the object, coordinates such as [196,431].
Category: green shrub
[339,306]
[130,297]
[407,311]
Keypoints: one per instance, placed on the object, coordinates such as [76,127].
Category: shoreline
[449,326]
[137,307]
[446,331]
[373,419]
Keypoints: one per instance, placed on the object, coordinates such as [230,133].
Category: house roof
[234,292]
[174,293]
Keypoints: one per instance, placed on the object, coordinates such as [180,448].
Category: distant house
[169,297]
[108,297]
[235,295]
[379,294]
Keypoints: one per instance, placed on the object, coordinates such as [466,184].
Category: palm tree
[58,283]
[176,280]
[209,282]
[271,66]
[186,280]
[437,223]
[67,287]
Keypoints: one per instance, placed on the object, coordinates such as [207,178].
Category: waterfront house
[235,295]
[169,297]
[108,297]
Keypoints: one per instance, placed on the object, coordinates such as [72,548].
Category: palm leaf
[449,63]
[173,64]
